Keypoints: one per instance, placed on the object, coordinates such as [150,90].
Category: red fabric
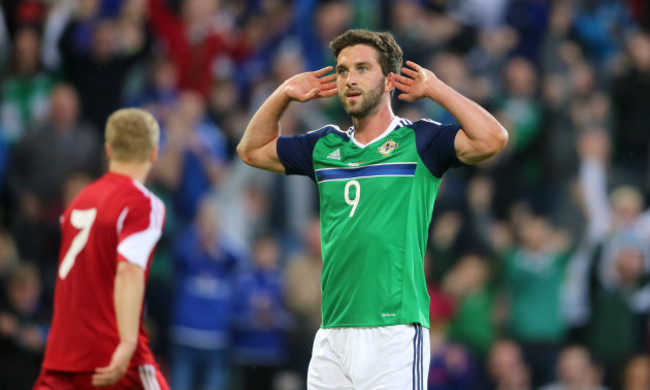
[133,379]
[30,12]
[442,306]
[193,60]
[84,330]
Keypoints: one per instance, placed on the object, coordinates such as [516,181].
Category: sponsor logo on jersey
[387,147]
[355,164]
[335,155]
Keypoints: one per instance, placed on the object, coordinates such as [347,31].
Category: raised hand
[594,143]
[309,85]
[416,83]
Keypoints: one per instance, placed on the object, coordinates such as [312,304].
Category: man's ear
[109,153]
[390,82]
[154,154]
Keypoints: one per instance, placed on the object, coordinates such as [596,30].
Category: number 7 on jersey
[81,219]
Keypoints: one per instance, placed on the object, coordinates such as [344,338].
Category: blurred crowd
[538,261]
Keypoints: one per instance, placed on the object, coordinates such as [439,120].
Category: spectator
[23,328]
[205,266]
[505,367]
[619,304]
[631,97]
[519,101]
[451,367]
[443,244]
[637,373]
[575,370]
[303,296]
[471,325]
[261,318]
[99,69]
[195,40]
[530,19]
[39,164]
[316,24]
[534,272]
[192,157]
[26,90]
[601,27]
[160,94]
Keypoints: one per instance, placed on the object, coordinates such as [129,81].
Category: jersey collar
[394,124]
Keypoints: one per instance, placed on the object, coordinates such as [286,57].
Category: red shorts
[146,377]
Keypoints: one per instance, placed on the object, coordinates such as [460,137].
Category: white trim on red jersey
[137,247]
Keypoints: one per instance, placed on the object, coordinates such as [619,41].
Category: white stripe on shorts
[148,377]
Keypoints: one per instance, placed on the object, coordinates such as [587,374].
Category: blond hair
[131,134]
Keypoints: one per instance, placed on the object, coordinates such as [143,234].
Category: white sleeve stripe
[137,247]
[157,206]
[120,220]
[430,120]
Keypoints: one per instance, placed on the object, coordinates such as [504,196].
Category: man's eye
[363,68]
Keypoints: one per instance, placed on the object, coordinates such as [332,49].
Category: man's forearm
[264,127]
[128,297]
[594,190]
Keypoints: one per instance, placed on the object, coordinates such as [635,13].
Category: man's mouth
[352,95]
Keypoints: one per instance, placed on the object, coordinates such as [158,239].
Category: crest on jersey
[387,147]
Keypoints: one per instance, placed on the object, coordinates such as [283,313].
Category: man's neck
[136,171]
[368,128]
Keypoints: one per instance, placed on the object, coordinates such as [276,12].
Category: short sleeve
[295,152]
[139,229]
[435,145]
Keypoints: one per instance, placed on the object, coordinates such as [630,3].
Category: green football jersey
[376,203]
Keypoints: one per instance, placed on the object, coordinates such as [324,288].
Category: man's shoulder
[327,130]
[115,192]
[425,124]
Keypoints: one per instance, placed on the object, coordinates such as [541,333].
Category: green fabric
[534,283]
[612,331]
[375,278]
[24,99]
[472,322]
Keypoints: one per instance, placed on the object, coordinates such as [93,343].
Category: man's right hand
[309,85]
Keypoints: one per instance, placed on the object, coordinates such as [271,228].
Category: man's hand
[416,83]
[106,376]
[309,85]
[594,144]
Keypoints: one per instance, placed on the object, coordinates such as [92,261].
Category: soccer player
[377,183]
[109,233]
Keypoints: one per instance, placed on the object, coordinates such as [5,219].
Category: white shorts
[388,357]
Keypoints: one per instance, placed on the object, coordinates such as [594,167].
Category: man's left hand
[106,376]
[415,82]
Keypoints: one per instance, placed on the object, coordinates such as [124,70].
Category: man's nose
[351,79]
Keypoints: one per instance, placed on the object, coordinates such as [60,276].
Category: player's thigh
[391,357]
[326,371]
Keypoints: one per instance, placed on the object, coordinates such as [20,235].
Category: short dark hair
[390,54]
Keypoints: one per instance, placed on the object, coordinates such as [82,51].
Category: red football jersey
[113,219]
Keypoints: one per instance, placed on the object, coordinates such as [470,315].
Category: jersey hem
[372,325]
